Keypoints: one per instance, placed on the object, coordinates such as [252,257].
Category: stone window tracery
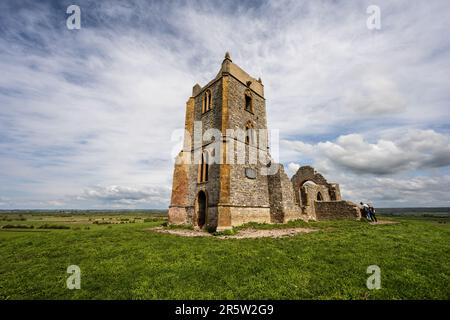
[207,101]
[249,133]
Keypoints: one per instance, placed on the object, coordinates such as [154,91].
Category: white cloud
[428,191]
[126,196]
[292,168]
[395,152]
[375,94]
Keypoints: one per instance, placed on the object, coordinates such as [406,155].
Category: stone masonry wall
[336,210]
[290,204]
[209,119]
[238,116]
[283,204]
[275,198]
[241,215]
[306,173]
[245,191]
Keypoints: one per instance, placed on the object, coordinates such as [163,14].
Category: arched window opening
[248,101]
[305,196]
[249,133]
[319,196]
[207,101]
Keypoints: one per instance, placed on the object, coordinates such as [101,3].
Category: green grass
[123,261]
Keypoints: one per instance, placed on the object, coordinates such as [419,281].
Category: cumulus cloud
[410,150]
[427,191]
[292,168]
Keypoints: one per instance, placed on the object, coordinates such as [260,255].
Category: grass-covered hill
[121,259]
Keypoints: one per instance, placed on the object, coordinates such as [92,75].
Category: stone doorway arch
[202,207]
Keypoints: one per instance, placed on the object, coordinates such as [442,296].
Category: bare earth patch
[271,233]
[242,234]
[384,222]
[181,232]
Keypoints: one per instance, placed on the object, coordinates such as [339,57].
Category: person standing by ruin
[372,213]
[365,210]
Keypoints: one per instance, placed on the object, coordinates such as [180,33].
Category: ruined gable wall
[306,173]
[292,210]
[275,198]
[283,204]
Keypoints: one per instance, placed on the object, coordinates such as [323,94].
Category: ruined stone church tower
[226,192]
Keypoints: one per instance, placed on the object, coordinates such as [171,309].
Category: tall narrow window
[207,101]
[248,101]
[203,168]
[206,167]
[249,133]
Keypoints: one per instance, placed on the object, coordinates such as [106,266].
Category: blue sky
[86,116]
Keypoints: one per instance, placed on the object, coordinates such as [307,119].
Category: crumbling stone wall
[275,198]
[335,192]
[308,173]
[308,194]
[336,210]
[180,193]
[307,184]
[283,204]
